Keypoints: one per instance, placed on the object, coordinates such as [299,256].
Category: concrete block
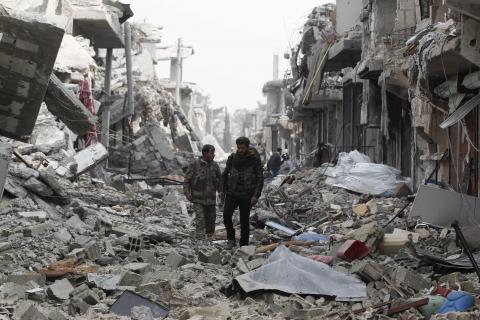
[27,310]
[367,270]
[210,256]
[108,282]
[78,254]
[76,223]
[85,294]
[28,48]
[38,187]
[4,246]
[37,294]
[50,178]
[83,161]
[23,278]
[255,264]
[407,278]
[37,230]
[131,279]
[246,251]
[61,289]
[57,315]
[176,260]
[93,250]
[160,143]
[63,235]
[39,216]
[138,267]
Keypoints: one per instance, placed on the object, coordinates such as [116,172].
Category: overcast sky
[234,41]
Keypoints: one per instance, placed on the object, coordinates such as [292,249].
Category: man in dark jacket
[202,180]
[242,183]
[275,162]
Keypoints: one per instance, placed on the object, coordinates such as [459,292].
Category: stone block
[61,289]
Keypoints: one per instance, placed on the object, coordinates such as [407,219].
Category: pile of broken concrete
[72,247]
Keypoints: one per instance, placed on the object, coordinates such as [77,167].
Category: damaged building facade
[396,80]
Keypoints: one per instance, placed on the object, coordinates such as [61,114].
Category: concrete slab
[83,161]
[442,207]
[5,157]
[99,25]
[472,81]
[28,49]
[160,143]
[343,54]
[61,289]
[64,104]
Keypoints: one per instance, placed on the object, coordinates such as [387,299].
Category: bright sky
[234,41]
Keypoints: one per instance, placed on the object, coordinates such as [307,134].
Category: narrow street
[345,186]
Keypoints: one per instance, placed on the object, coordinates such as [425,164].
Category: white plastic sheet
[291,273]
[357,173]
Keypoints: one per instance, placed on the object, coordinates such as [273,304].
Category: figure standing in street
[275,162]
[202,181]
[242,183]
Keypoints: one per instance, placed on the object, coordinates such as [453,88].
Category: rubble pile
[77,249]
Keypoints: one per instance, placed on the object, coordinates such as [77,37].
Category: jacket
[202,181]
[275,162]
[243,176]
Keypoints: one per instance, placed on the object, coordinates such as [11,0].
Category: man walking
[242,183]
[275,162]
[202,180]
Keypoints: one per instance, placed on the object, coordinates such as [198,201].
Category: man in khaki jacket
[202,181]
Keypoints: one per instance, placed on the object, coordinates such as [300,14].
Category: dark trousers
[231,203]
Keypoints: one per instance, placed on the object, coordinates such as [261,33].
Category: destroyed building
[94,223]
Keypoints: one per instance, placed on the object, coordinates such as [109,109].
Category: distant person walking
[242,184]
[275,162]
[202,180]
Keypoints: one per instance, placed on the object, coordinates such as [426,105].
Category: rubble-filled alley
[362,167]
